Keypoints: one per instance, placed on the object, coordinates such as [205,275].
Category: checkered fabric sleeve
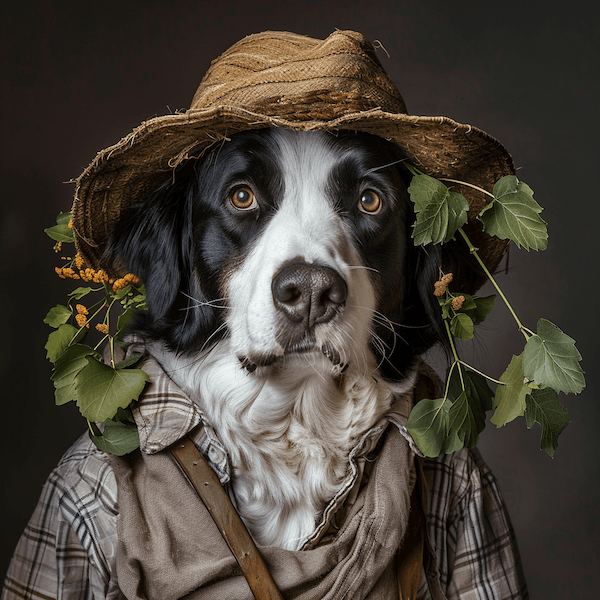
[67,550]
[475,549]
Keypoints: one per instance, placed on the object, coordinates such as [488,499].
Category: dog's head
[285,243]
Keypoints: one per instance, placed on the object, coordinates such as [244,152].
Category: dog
[285,296]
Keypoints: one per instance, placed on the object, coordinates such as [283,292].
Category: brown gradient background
[77,76]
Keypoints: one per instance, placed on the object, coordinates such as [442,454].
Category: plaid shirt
[68,550]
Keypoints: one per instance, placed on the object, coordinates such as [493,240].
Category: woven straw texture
[280,79]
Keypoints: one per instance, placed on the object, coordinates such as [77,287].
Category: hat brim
[134,167]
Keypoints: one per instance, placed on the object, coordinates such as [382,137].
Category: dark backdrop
[77,76]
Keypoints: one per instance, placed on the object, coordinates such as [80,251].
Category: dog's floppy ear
[153,240]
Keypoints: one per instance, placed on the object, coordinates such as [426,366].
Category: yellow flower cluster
[440,286]
[102,328]
[81,316]
[81,309]
[130,278]
[82,320]
[89,274]
[66,273]
[96,276]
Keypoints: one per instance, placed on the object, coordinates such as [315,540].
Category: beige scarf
[169,547]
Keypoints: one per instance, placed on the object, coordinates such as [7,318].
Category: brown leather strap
[410,555]
[206,483]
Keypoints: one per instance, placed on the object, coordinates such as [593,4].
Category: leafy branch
[529,386]
[102,392]
[549,363]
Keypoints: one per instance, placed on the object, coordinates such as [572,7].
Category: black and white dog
[285,296]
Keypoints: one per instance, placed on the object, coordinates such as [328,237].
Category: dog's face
[284,295]
[286,243]
[325,226]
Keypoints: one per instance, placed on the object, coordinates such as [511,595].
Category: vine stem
[101,342]
[455,353]
[93,428]
[89,320]
[473,251]
[447,389]
[462,362]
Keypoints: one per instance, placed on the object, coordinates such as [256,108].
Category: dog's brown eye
[370,202]
[243,198]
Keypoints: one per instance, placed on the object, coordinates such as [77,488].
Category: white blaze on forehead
[306,223]
[305,226]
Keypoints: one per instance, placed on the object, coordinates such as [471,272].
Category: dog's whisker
[311,364]
[381,346]
[213,334]
[378,341]
[199,303]
[382,319]
[358,351]
[197,359]
[379,317]
[353,267]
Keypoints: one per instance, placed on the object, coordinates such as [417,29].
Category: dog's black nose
[308,293]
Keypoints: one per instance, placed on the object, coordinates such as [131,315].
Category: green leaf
[439,222]
[134,358]
[124,415]
[513,214]
[466,415]
[76,352]
[445,304]
[63,218]
[466,420]
[543,407]
[439,211]
[119,438]
[123,292]
[59,340]
[60,233]
[66,370]
[551,359]
[461,326]
[124,319]
[58,315]
[469,303]
[101,390]
[477,389]
[428,425]
[425,190]
[139,299]
[481,390]
[484,306]
[80,292]
[510,397]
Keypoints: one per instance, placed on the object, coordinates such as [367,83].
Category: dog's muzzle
[305,295]
[308,294]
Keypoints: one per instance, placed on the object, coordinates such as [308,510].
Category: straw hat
[280,79]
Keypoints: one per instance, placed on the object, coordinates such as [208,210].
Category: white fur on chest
[288,436]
